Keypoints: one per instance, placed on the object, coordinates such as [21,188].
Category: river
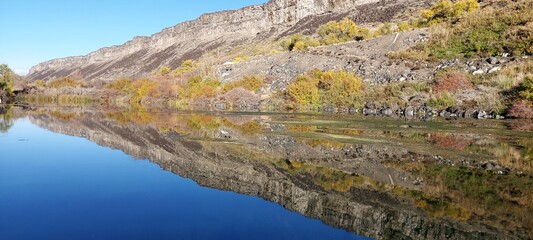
[89,173]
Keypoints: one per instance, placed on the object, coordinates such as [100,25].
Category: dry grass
[451,80]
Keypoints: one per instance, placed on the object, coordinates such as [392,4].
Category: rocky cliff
[222,30]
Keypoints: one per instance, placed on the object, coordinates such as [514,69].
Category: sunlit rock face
[189,40]
[254,165]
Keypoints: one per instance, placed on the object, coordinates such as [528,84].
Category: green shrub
[526,89]
[419,87]
[252,83]
[304,91]
[142,88]
[123,84]
[318,88]
[489,32]
[403,26]
[338,88]
[164,70]
[240,59]
[186,66]
[64,82]
[40,83]
[509,77]
[384,29]
[6,79]
[341,31]
[419,52]
[198,87]
[445,10]
[442,101]
[135,90]
[416,23]
[299,42]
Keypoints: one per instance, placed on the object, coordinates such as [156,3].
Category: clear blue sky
[32,31]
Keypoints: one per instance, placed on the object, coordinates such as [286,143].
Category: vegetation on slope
[319,89]
[460,29]
[501,27]
[335,32]
[6,81]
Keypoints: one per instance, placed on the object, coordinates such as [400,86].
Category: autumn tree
[6,80]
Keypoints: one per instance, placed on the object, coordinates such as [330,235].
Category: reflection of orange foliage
[524,125]
[444,209]
[302,128]
[450,141]
[64,116]
[521,109]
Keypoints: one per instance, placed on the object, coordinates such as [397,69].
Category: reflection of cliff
[231,167]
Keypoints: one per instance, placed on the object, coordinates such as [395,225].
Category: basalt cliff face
[214,31]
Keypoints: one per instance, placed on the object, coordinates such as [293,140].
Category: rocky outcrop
[191,39]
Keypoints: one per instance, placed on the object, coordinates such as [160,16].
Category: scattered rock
[409,111]
[454,109]
[481,115]
[495,69]
[493,60]
[387,112]
[330,109]
[469,113]
[478,72]
[220,106]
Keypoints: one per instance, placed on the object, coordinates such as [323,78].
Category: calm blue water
[54,186]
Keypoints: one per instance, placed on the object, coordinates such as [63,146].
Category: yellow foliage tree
[299,42]
[304,91]
[252,83]
[64,82]
[338,88]
[199,87]
[340,31]
[6,79]
[142,88]
[403,26]
[164,70]
[446,9]
[318,88]
[123,84]
[186,66]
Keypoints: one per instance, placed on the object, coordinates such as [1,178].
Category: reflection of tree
[6,119]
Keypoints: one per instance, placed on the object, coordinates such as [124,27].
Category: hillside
[220,31]
[447,58]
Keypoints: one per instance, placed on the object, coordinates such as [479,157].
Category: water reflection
[376,177]
[6,118]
